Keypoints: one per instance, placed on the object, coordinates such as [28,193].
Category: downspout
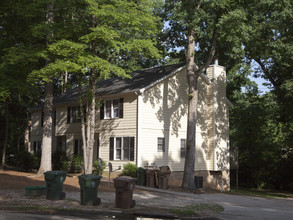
[138,127]
[215,120]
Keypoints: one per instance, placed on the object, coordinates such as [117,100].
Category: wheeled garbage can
[164,176]
[89,184]
[124,187]
[54,184]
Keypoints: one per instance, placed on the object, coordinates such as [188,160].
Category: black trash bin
[89,184]
[54,184]
[124,186]
[141,177]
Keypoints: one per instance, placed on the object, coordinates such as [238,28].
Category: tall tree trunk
[64,82]
[88,128]
[27,135]
[88,147]
[6,135]
[192,78]
[46,158]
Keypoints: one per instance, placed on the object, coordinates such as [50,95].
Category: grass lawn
[262,193]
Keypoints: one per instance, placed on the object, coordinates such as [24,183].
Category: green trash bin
[89,184]
[54,184]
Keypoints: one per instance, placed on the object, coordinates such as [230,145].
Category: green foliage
[98,169]
[26,161]
[60,161]
[130,169]
[261,140]
[76,164]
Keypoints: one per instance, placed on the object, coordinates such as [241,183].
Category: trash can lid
[125,179]
[89,177]
[55,172]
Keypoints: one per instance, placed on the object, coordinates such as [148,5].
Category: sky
[260,82]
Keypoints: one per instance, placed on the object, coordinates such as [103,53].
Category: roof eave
[160,80]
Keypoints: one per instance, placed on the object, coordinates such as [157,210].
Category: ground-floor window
[78,147]
[122,148]
[161,144]
[182,147]
[37,146]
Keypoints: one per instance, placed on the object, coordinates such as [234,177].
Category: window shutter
[111,157]
[102,111]
[35,147]
[68,115]
[131,148]
[42,119]
[164,144]
[76,147]
[121,107]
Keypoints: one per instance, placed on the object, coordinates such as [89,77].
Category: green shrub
[129,169]
[76,164]
[36,160]
[99,170]
[60,161]
[25,161]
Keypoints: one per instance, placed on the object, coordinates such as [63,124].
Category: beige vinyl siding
[36,126]
[118,127]
[164,114]
[222,150]
[204,152]
[62,127]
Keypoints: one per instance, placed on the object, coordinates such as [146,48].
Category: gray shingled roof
[140,79]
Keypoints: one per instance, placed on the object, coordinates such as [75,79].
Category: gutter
[138,128]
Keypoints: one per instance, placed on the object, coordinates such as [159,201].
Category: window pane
[182,147]
[161,144]
[73,114]
[118,154]
[118,148]
[108,109]
[118,143]
[126,148]
[116,108]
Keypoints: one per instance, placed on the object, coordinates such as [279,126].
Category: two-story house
[143,120]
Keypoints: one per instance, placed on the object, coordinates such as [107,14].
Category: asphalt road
[247,207]
[238,207]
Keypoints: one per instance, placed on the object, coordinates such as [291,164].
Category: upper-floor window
[122,148]
[74,114]
[182,147]
[161,144]
[112,109]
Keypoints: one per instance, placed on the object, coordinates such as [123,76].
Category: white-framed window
[161,144]
[73,114]
[112,109]
[182,148]
[122,148]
